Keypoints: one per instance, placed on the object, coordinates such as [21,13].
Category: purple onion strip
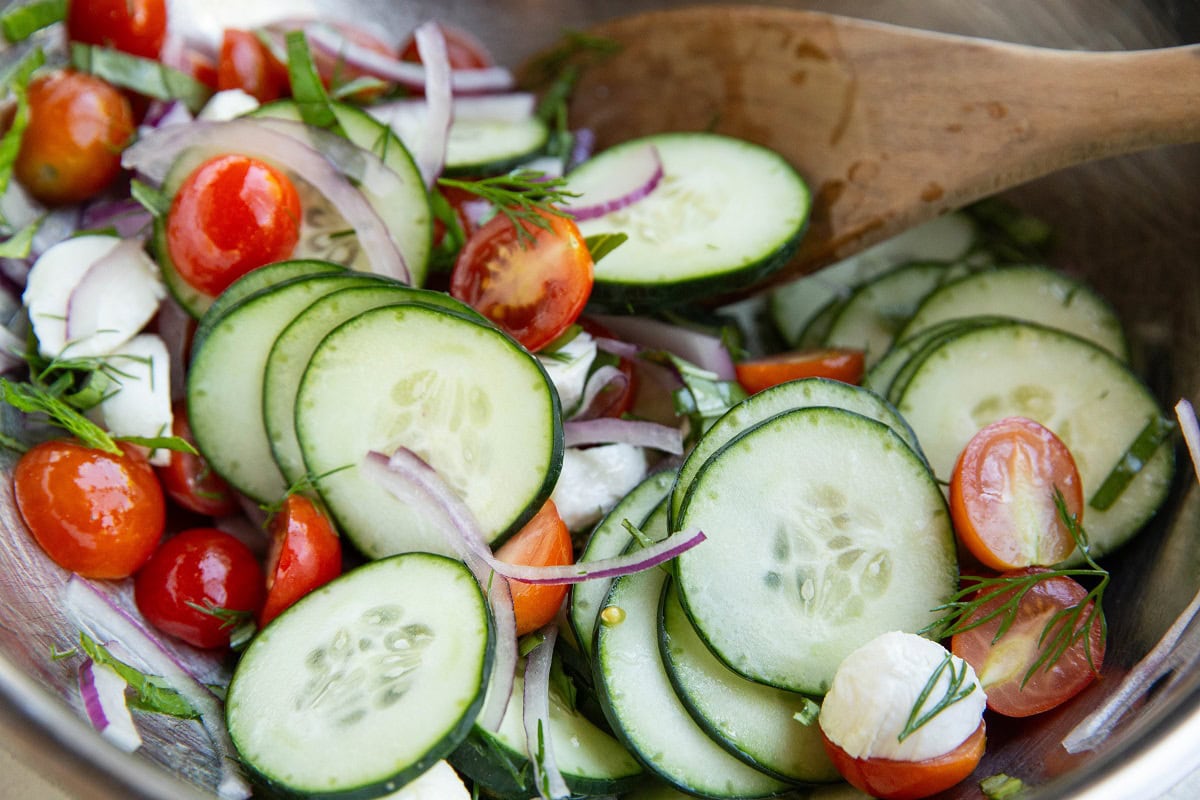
[431,152]
[605,377]
[705,351]
[535,708]
[608,430]
[103,693]
[636,175]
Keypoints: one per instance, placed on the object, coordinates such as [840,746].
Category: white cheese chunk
[568,369]
[593,479]
[140,404]
[227,105]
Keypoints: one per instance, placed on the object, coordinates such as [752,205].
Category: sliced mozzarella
[52,281]
[139,402]
[439,782]
[568,369]
[113,300]
[876,688]
[226,105]
[593,479]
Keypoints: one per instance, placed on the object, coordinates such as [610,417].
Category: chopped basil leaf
[808,713]
[20,244]
[1151,437]
[307,90]
[347,89]
[142,75]
[19,22]
[602,244]
[16,78]
[152,692]
[153,200]
[1001,787]
[162,443]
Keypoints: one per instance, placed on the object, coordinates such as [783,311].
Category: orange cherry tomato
[836,364]
[245,63]
[463,50]
[233,214]
[1002,664]
[134,26]
[71,149]
[1002,495]
[189,481]
[199,586]
[305,554]
[97,514]
[890,779]
[532,286]
[543,542]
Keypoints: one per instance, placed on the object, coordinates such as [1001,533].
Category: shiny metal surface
[1131,226]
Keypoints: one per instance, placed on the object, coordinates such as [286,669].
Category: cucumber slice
[365,683]
[824,530]
[923,345]
[763,405]
[880,376]
[591,761]
[295,344]
[726,213]
[464,397]
[609,539]
[225,383]
[756,723]
[642,706]
[478,145]
[1026,292]
[1083,393]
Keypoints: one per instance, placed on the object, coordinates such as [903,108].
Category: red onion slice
[431,151]
[604,378]
[92,610]
[536,716]
[636,173]
[705,351]
[127,216]
[290,145]
[623,431]
[103,693]
[405,73]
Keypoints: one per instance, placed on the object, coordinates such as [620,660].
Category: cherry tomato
[463,50]
[95,513]
[245,63]
[909,780]
[533,287]
[834,363]
[305,554]
[613,402]
[1002,495]
[335,72]
[78,126]
[189,481]
[467,207]
[543,542]
[233,214]
[199,585]
[134,26]
[1003,664]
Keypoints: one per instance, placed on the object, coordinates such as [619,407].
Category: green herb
[956,690]
[637,533]
[153,200]
[529,643]
[1007,234]
[307,90]
[966,609]
[239,622]
[1156,431]
[20,244]
[453,238]
[1001,787]
[11,443]
[562,688]
[16,78]
[808,713]
[152,693]
[602,244]
[142,75]
[19,22]
[556,74]
[553,351]
[61,655]
[523,196]
[345,90]
[176,443]
[33,399]
[704,396]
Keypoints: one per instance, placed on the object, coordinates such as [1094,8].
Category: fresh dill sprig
[33,399]
[969,607]
[240,623]
[524,197]
[956,690]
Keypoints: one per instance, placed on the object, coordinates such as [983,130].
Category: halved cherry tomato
[78,126]
[1002,495]
[543,542]
[463,50]
[199,586]
[134,26]
[245,63]
[1003,664]
[97,514]
[839,364]
[189,481]
[532,286]
[233,214]
[909,780]
[305,554]
[612,402]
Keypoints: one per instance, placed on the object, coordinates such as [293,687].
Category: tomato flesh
[198,585]
[1003,664]
[543,542]
[533,286]
[463,50]
[97,514]
[134,26]
[305,554]
[891,779]
[71,149]
[839,364]
[232,214]
[1002,495]
[245,63]
[189,481]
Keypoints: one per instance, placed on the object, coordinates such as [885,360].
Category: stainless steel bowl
[1131,226]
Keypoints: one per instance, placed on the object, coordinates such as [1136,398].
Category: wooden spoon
[890,126]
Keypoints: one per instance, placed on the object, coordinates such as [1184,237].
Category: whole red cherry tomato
[95,513]
[134,26]
[199,586]
[245,63]
[305,554]
[189,481]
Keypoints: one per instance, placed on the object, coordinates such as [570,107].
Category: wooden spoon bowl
[890,126]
